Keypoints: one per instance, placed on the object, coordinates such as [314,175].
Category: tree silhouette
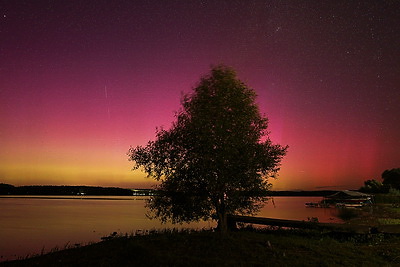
[392,178]
[373,186]
[217,156]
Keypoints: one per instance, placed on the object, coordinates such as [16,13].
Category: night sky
[82,81]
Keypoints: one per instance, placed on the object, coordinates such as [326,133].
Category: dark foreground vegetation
[247,247]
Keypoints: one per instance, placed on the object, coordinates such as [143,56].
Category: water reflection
[294,208]
[29,225]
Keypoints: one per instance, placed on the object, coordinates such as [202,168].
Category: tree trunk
[222,223]
[221,213]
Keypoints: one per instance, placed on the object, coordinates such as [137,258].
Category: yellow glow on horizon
[58,174]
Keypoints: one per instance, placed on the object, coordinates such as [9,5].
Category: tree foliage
[217,156]
[373,186]
[392,178]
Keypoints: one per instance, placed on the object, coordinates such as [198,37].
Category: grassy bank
[242,248]
[378,214]
[387,199]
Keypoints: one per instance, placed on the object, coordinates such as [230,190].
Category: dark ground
[242,248]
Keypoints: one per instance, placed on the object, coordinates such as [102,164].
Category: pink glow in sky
[82,81]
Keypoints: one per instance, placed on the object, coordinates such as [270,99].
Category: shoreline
[73,197]
[111,197]
[244,247]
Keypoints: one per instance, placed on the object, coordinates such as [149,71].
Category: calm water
[30,225]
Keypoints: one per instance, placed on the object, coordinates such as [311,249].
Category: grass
[395,209]
[388,221]
[377,214]
[387,199]
[248,247]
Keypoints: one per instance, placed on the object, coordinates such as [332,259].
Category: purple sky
[81,81]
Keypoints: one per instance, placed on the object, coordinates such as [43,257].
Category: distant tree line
[390,182]
[7,189]
[64,190]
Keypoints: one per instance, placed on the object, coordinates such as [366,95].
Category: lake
[30,225]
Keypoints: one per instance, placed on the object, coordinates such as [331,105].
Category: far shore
[74,197]
[97,191]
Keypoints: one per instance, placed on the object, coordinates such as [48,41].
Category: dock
[334,227]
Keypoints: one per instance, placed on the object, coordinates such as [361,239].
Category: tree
[392,178]
[217,156]
[373,186]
